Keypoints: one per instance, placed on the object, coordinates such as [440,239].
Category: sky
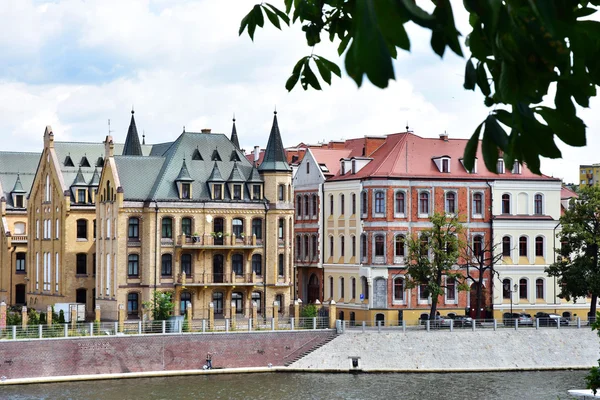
[75,64]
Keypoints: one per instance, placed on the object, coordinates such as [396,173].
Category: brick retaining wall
[106,355]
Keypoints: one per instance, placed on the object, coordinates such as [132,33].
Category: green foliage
[161,305]
[309,311]
[434,254]
[593,378]
[33,317]
[578,267]
[519,51]
[13,318]
[43,320]
[61,317]
[186,324]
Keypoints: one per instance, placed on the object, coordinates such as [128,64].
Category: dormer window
[196,155]
[353,166]
[68,162]
[516,168]
[443,163]
[256,192]
[84,162]
[474,171]
[186,191]
[19,201]
[343,167]
[81,195]
[237,192]
[217,191]
[500,166]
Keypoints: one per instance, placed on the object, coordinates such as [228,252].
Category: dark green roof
[234,136]
[236,175]
[79,179]
[132,141]
[184,175]
[17,165]
[215,175]
[255,176]
[95,178]
[18,188]
[274,159]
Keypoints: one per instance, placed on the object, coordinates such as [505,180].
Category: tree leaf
[417,14]
[470,76]
[496,132]
[489,147]
[293,79]
[333,67]
[272,17]
[323,70]
[344,44]
[245,22]
[308,78]
[482,79]
[471,149]
[279,13]
[569,128]
[391,22]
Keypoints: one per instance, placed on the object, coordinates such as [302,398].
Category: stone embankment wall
[458,351]
[145,353]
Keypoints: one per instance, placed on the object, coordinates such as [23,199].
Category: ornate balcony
[210,279]
[208,241]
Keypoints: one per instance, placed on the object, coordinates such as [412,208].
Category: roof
[13,166]
[132,145]
[566,193]
[184,174]
[331,158]
[408,155]
[234,136]
[134,183]
[274,159]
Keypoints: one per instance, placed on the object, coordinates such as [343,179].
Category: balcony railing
[223,241]
[19,238]
[209,278]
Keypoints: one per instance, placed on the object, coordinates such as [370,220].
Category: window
[237,192]
[506,203]
[330,246]
[81,263]
[506,246]
[167,228]
[281,192]
[353,242]
[363,202]
[81,195]
[445,165]
[379,202]
[81,229]
[523,246]
[353,287]
[166,268]
[257,264]
[342,291]
[379,246]
[134,228]
[506,289]
[424,203]
[365,287]
[280,229]
[330,204]
[298,247]
[238,302]
[95,229]
[306,249]
[342,246]
[342,201]
[186,264]
[425,246]
[237,264]
[20,263]
[399,246]
[257,228]
[184,299]
[451,203]
[19,201]
[94,263]
[218,302]
[280,265]
[451,289]
[237,227]
[185,191]
[363,247]
[477,204]
[256,192]
[306,204]
[423,292]
[477,246]
[133,302]
[400,203]
[537,204]
[399,289]
[539,246]
[500,166]
[133,265]
[19,228]
[523,289]
[331,287]
[186,226]
[307,167]
[314,205]
[353,203]
[218,191]
[539,288]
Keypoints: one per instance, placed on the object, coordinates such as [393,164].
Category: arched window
[330,246]
[133,231]
[506,203]
[539,246]
[257,264]
[186,264]
[331,287]
[353,287]
[281,264]
[342,246]
[166,268]
[298,206]
[365,287]
[523,289]
[363,247]
[506,246]
[363,203]
[539,288]
[451,203]
[342,204]
[167,228]
[379,245]
[399,246]
[342,289]
[298,247]
[237,264]
[506,289]
[257,228]
[314,247]
[306,247]
[133,304]
[399,289]
[450,289]
[477,245]
[306,204]
[538,205]
[237,227]
[424,203]
[379,202]
[477,204]
[185,298]
[186,226]
[217,299]
[353,244]
[133,265]
[330,204]
[523,246]
[400,205]
[315,206]
[353,203]
[238,302]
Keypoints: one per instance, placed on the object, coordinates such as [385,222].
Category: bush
[33,317]
[43,320]
[309,311]
[13,318]
[61,317]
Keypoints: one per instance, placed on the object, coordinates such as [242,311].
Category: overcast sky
[74,64]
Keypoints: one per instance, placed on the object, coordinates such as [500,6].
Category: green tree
[434,254]
[593,378]
[577,268]
[520,51]
[161,305]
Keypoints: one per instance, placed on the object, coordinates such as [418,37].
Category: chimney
[256,153]
[205,130]
[444,136]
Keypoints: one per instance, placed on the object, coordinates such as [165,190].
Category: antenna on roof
[184,129]
[144,137]
[109,130]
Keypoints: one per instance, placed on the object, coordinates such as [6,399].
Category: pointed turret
[95,178]
[132,142]
[236,175]
[255,176]
[79,179]
[274,159]
[234,136]
[215,175]
[18,188]
[184,175]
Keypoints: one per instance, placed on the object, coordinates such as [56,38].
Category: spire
[215,175]
[184,175]
[255,176]
[95,178]
[234,136]
[274,159]
[132,142]
[236,175]
[18,186]
[144,138]
[79,179]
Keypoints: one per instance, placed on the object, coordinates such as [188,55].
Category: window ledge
[80,239]
[477,215]
[421,215]
[399,215]
[398,302]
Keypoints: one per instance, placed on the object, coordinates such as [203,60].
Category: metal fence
[160,327]
[451,325]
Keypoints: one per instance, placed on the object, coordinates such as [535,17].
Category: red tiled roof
[566,193]
[409,155]
[331,158]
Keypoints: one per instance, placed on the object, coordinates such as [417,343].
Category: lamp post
[516,288]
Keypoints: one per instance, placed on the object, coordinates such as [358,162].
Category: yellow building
[589,175]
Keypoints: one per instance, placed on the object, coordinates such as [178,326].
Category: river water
[490,385]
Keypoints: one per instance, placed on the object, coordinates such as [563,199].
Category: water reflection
[492,385]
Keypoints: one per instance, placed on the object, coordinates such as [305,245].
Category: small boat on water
[584,394]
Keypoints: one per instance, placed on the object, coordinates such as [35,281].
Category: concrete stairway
[309,347]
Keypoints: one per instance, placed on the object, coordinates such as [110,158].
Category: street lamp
[516,288]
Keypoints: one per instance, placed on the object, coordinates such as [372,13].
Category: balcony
[224,242]
[210,279]
[19,238]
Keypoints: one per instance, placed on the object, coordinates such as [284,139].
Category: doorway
[20,294]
